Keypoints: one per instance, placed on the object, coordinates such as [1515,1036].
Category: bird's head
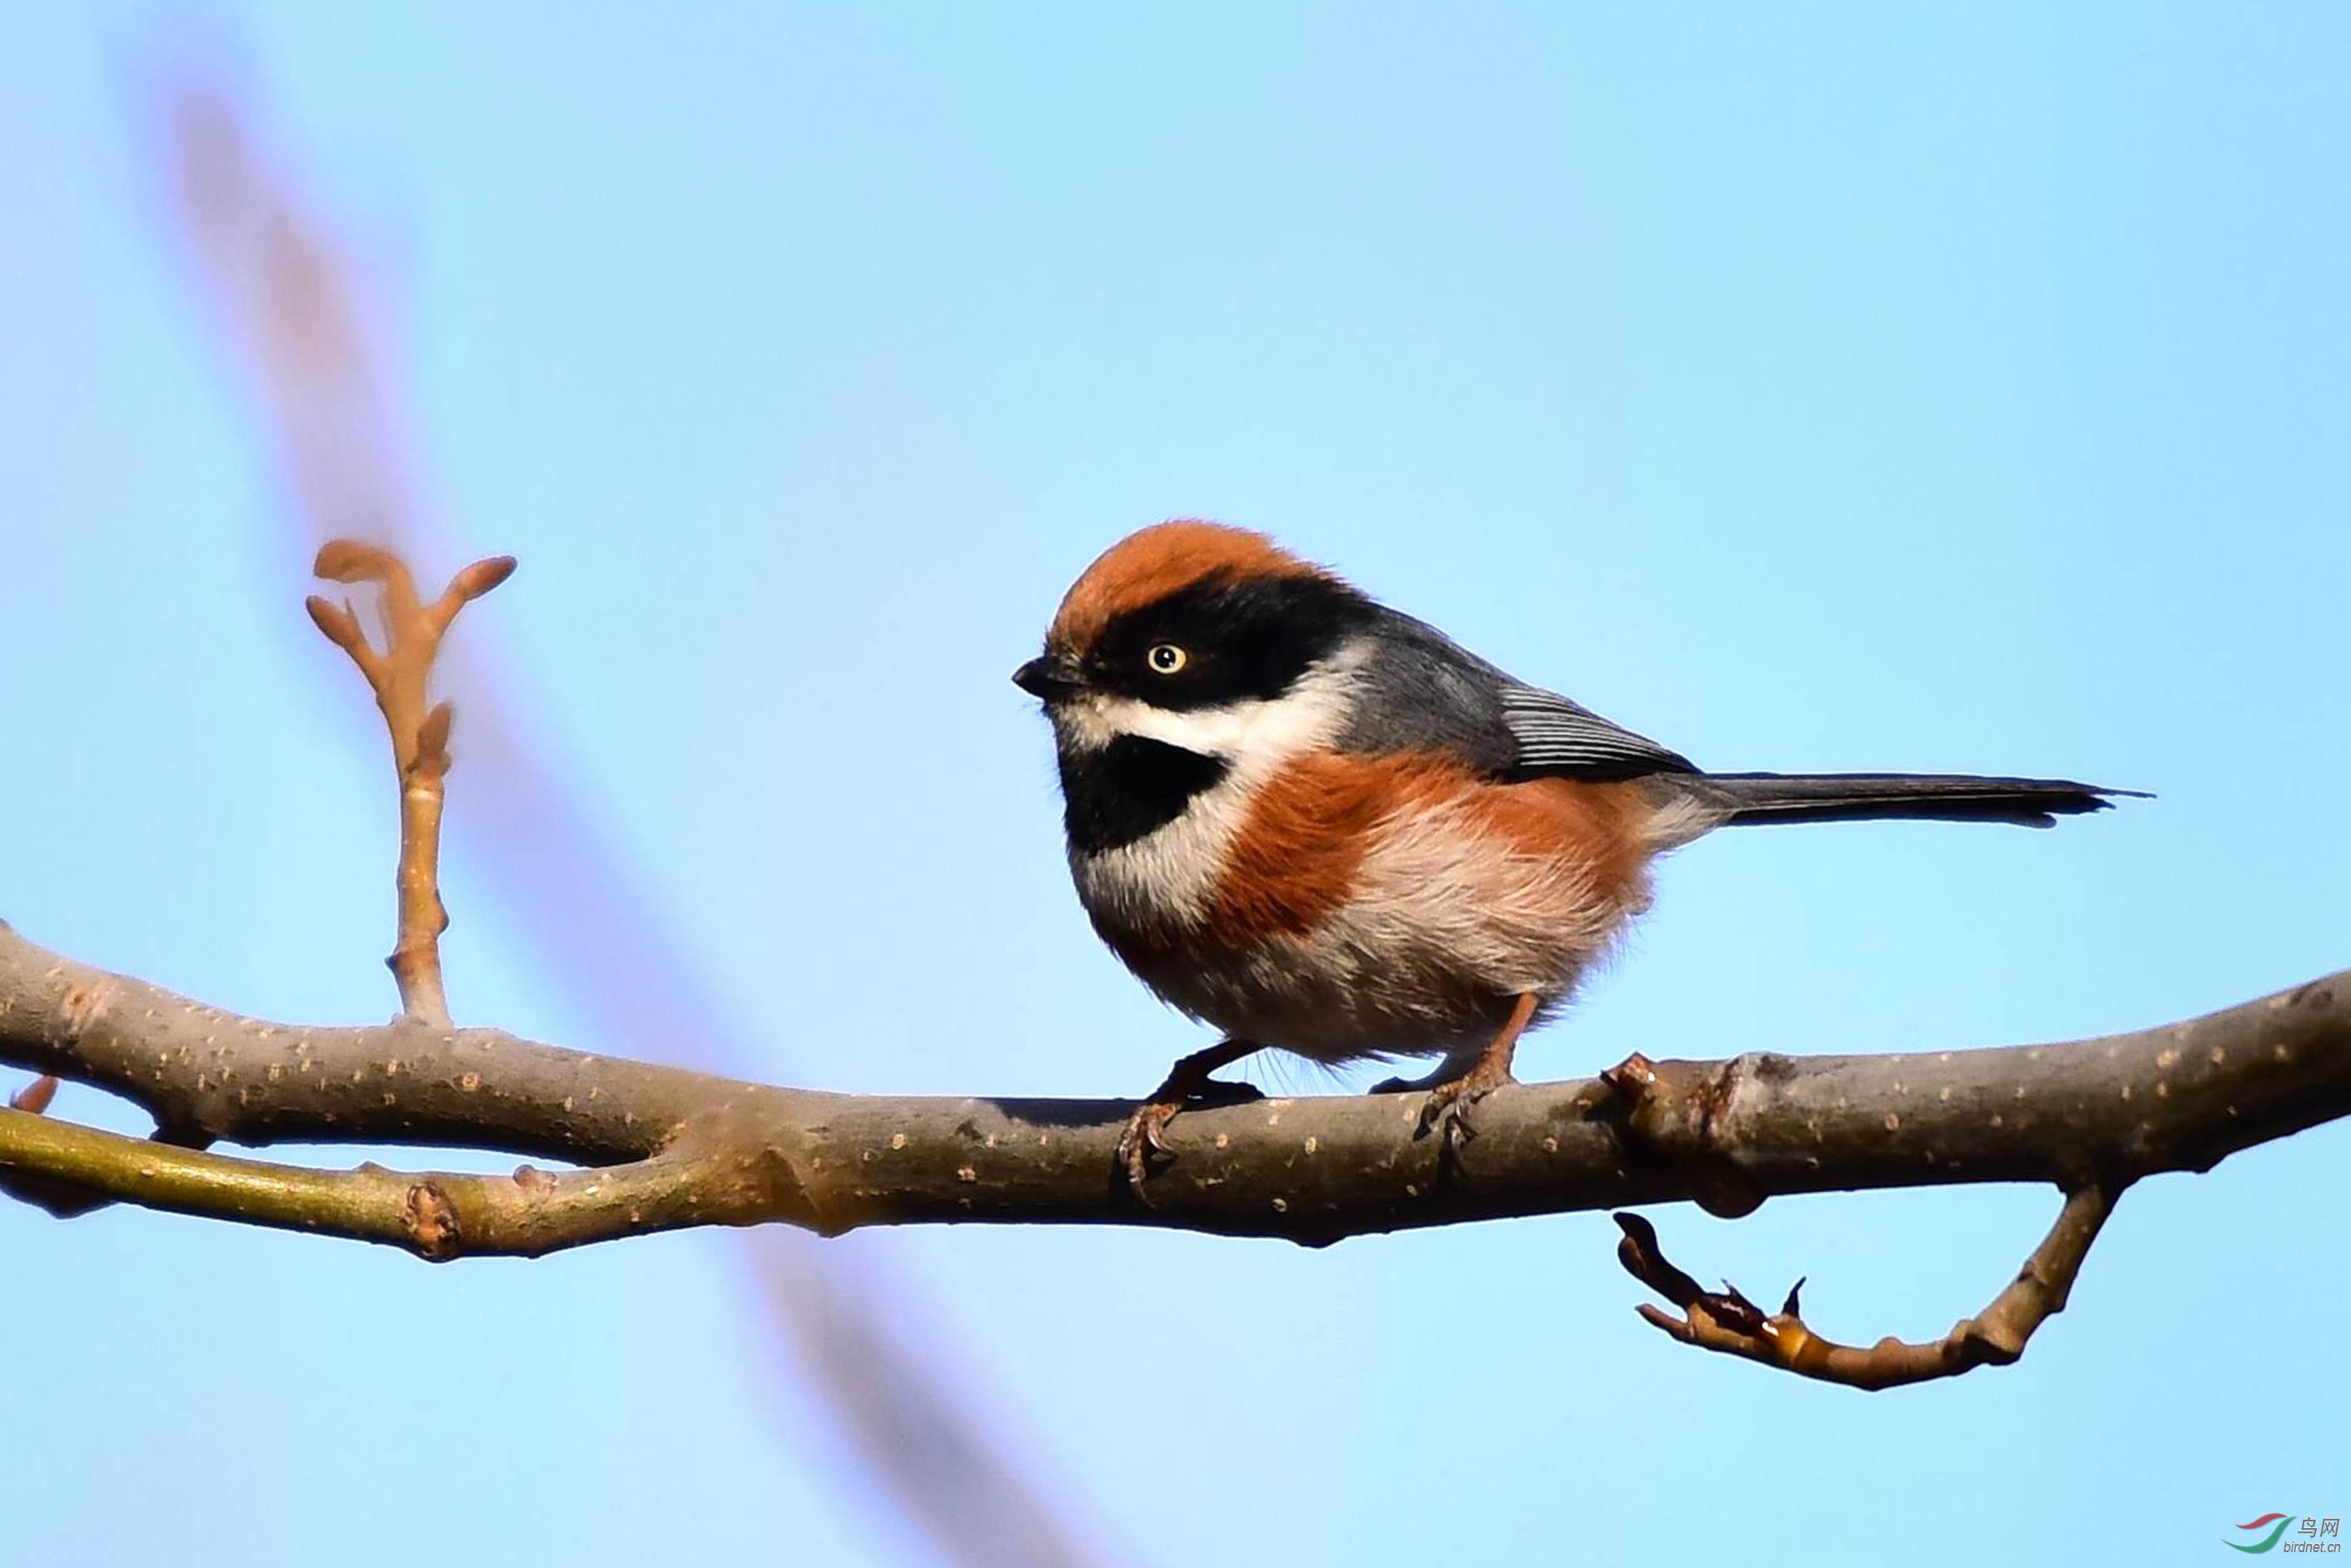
[1196,636]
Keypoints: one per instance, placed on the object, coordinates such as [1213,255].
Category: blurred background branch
[295,318]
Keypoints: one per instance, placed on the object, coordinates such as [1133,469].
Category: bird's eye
[1166,658]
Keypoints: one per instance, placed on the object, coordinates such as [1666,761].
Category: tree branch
[698,1149]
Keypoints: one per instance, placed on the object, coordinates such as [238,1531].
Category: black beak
[1045,678]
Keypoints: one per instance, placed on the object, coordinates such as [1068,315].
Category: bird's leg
[1188,1080]
[1488,1074]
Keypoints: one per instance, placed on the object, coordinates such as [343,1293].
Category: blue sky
[1809,387]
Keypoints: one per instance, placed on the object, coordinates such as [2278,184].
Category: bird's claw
[1147,1130]
[1449,1105]
[1145,1136]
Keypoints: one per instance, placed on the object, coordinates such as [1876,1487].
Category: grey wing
[1556,737]
[1428,693]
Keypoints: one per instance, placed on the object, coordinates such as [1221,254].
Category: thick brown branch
[2179,1097]
[1729,1323]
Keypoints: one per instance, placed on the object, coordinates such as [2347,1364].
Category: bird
[1323,826]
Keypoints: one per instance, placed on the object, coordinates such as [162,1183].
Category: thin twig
[400,675]
[1727,1321]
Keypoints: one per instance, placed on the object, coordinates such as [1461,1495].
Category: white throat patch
[1165,878]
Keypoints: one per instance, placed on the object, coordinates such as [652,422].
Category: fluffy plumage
[1320,824]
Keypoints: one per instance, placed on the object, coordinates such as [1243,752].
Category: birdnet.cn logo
[2268,1533]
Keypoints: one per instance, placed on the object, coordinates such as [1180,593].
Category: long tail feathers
[1865,796]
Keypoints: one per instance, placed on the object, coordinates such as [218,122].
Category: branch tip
[337,622]
[350,561]
[482,576]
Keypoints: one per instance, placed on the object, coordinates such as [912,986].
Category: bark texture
[667,1148]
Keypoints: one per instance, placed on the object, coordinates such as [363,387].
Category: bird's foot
[1188,1085]
[1450,1099]
[1450,1102]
